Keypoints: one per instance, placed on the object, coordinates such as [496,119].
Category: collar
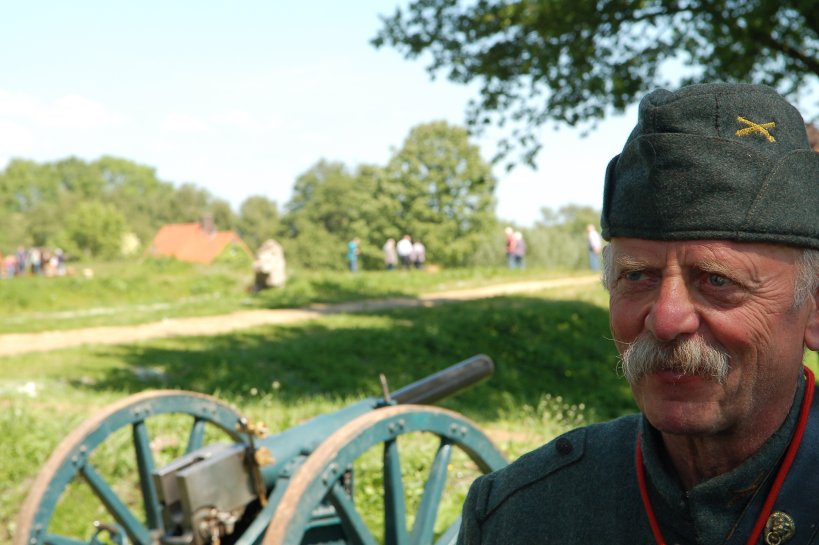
[708,512]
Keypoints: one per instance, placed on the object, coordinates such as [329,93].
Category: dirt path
[20,343]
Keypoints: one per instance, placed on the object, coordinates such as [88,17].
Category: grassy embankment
[132,293]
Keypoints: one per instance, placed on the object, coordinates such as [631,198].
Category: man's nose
[673,312]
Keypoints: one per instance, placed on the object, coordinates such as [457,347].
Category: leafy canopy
[443,190]
[573,61]
[436,188]
[87,207]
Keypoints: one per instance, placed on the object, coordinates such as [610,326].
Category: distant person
[353,250]
[404,249]
[390,254]
[60,256]
[45,262]
[35,260]
[21,259]
[510,247]
[595,245]
[10,264]
[419,254]
[519,251]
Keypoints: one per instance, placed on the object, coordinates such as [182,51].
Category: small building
[195,242]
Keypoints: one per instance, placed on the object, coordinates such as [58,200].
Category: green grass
[128,293]
[555,368]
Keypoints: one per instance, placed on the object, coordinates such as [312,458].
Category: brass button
[779,528]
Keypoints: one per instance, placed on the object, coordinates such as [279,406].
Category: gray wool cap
[715,161]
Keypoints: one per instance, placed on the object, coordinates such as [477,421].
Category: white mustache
[692,356]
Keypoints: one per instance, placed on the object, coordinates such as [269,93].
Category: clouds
[177,122]
[22,115]
[15,139]
[234,118]
[26,120]
[66,112]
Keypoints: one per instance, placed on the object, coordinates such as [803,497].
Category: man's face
[736,298]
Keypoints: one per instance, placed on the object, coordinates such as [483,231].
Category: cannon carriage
[232,483]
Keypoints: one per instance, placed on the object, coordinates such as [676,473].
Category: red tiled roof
[189,242]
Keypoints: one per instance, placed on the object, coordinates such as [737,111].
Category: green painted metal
[327,513]
[422,530]
[71,460]
[307,436]
[354,526]
[321,473]
[395,528]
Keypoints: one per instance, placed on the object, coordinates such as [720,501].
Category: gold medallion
[779,528]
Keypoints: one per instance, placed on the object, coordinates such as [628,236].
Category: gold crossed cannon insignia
[756,128]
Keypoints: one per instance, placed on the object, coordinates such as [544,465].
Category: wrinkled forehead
[718,253]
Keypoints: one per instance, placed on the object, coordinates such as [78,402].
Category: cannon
[229,482]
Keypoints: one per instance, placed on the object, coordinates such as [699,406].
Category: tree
[189,203]
[573,61]
[259,220]
[36,200]
[224,218]
[93,229]
[442,192]
[144,200]
[327,209]
[26,184]
[559,239]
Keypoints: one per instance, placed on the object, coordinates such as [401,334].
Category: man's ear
[812,329]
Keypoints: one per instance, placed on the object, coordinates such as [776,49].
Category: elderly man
[712,213]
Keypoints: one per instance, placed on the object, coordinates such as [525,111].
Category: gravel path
[19,343]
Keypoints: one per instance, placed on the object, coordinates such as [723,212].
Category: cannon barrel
[304,437]
[447,382]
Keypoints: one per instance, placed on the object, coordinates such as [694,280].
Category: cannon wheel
[71,462]
[320,478]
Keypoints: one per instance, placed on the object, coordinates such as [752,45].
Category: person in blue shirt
[353,250]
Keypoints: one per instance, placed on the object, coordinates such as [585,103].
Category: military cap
[715,161]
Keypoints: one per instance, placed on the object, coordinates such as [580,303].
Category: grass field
[131,293]
[555,364]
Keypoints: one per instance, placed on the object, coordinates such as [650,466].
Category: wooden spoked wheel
[324,478]
[108,460]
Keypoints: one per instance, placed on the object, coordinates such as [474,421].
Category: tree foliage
[436,187]
[572,61]
[93,229]
[326,210]
[559,239]
[259,220]
[51,204]
[442,191]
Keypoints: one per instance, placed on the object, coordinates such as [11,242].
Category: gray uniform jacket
[581,489]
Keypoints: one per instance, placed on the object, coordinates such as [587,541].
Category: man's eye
[633,276]
[718,281]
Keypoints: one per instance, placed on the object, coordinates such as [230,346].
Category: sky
[243,97]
